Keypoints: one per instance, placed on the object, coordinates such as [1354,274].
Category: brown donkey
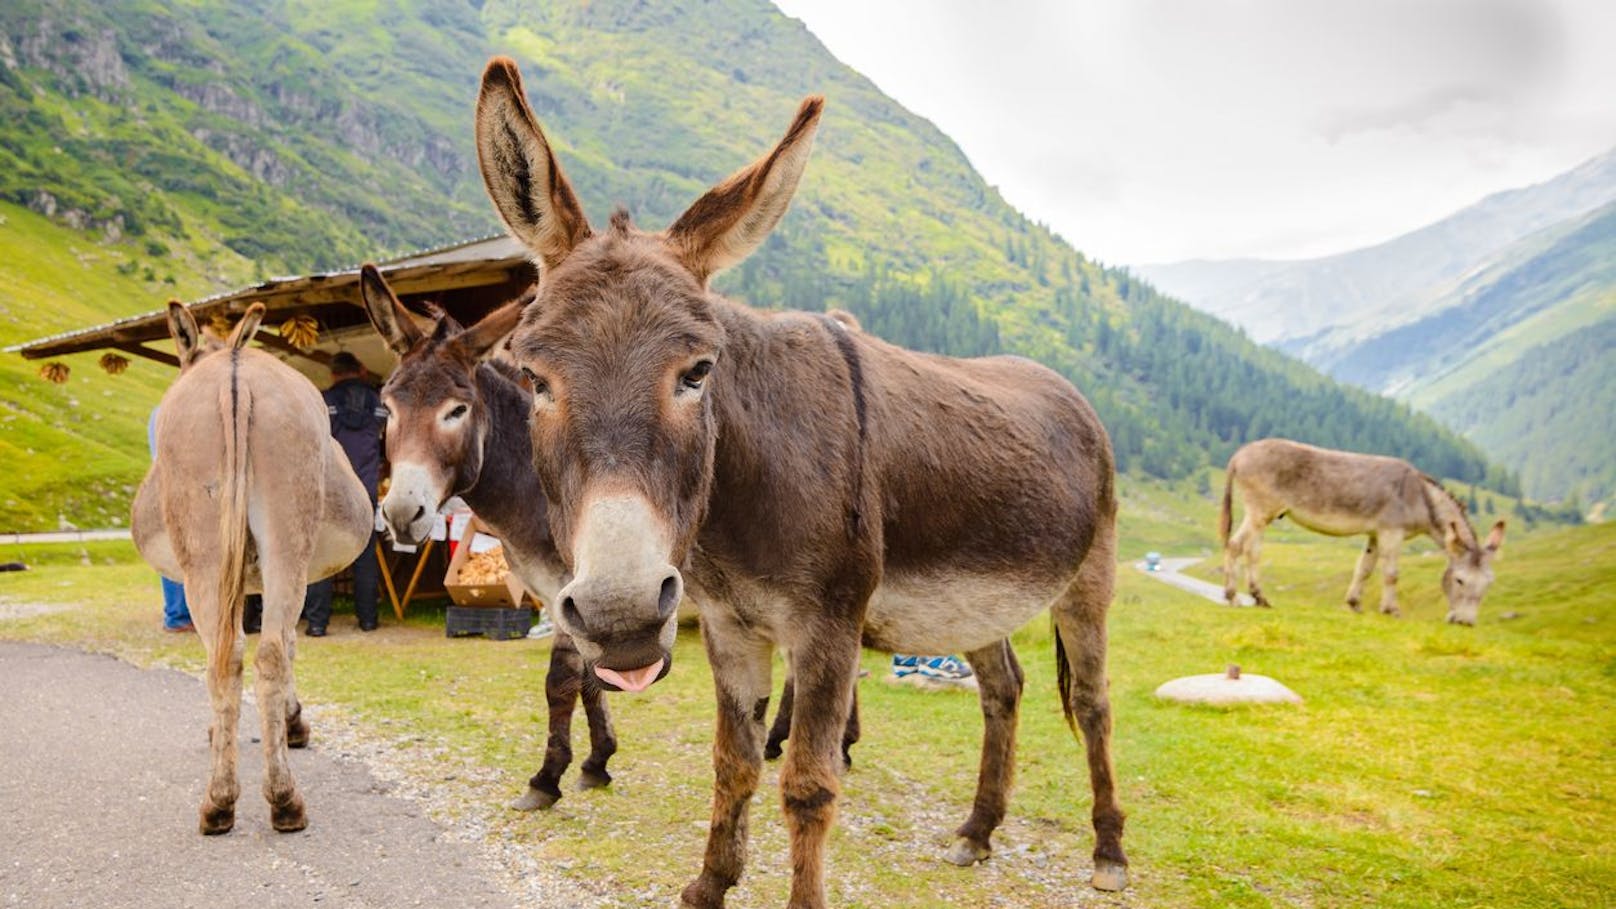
[1342,494]
[457,424]
[815,486]
[248,493]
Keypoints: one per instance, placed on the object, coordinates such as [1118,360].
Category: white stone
[1219,688]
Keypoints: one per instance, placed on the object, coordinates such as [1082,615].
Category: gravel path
[103,767]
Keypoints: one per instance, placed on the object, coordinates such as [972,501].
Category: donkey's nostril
[668,600]
[419,511]
[569,611]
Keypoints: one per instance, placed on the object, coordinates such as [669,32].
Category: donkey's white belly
[950,613]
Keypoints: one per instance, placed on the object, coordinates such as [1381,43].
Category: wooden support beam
[139,350]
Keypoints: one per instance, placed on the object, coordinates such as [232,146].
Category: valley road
[101,769]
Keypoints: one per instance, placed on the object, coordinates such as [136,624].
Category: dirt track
[101,768]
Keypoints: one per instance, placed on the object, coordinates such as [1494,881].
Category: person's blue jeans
[175,613]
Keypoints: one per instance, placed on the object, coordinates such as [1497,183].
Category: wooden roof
[467,280]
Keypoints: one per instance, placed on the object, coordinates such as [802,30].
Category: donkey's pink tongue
[631,679]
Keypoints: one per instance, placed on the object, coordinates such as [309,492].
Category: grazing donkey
[817,487]
[1342,493]
[248,493]
[457,424]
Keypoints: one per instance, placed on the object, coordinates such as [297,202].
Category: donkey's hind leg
[283,594]
[297,728]
[999,681]
[1081,647]
[285,552]
[781,730]
[218,811]
[1366,564]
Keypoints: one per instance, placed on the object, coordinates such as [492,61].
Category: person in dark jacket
[357,421]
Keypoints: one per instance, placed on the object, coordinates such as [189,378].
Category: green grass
[1431,765]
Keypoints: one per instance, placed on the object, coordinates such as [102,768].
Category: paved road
[63,536]
[1168,573]
[101,769]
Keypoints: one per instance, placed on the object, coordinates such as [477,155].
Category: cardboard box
[509,594]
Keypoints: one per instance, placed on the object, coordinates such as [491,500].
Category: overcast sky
[1157,130]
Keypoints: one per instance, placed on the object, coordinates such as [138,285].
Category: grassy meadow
[1431,765]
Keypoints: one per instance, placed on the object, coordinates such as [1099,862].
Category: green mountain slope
[1518,359]
[1549,413]
[1544,286]
[212,140]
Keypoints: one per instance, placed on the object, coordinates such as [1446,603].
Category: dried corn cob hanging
[55,372]
[301,332]
[113,363]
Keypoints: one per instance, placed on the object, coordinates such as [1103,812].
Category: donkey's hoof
[1453,619]
[772,750]
[288,816]
[966,853]
[593,779]
[1229,596]
[1352,604]
[1109,876]
[1262,601]
[701,894]
[1394,612]
[217,819]
[297,733]
[535,800]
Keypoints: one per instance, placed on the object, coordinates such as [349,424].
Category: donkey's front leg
[826,667]
[999,679]
[602,739]
[561,686]
[741,664]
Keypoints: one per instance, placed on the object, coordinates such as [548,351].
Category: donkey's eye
[457,413]
[1459,581]
[696,375]
[540,387]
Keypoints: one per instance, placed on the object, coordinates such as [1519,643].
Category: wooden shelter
[467,280]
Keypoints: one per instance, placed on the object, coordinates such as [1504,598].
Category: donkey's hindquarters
[248,493]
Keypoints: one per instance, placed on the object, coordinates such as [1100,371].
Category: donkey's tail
[1063,678]
[235,406]
[1224,519]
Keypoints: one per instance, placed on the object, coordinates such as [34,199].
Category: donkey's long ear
[475,342]
[391,320]
[1453,540]
[1495,540]
[724,226]
[247,327]
[524,179]
[188,342]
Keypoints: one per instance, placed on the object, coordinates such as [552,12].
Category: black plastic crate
[498,623]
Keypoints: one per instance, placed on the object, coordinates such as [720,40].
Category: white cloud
[1155,130]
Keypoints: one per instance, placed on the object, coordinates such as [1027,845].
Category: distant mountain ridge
[1313,307]
[1509,343]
